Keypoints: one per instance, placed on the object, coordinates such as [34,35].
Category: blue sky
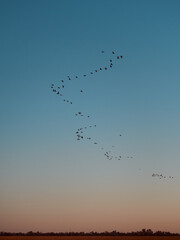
[42,163]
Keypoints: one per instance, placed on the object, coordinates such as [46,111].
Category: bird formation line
[61,84]
[81,132]
[161,176]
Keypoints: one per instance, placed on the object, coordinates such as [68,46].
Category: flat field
[89,238]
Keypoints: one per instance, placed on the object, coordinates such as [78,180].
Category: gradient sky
[49,181]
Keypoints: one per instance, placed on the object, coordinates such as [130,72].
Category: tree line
[143,232]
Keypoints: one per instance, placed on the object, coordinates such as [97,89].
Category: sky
[49,180]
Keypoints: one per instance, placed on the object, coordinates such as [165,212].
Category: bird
[62,86]
[76,76]
[62,80]
[117,57]
[121,56]
[113,52]
[81,90]
[105,68]
[101,69]
[84,75]
[102,51]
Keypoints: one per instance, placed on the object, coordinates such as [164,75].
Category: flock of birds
[160,176]
[81,132]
